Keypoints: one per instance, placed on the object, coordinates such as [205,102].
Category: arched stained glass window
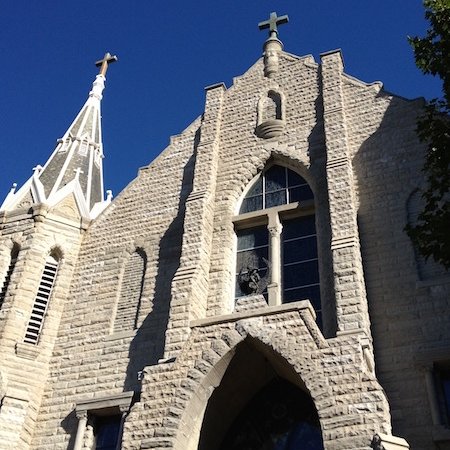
[279,417]
[276,186]
[277,246]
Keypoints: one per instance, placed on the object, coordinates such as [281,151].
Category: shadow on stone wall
[318,157]
[147,347]
[387,166]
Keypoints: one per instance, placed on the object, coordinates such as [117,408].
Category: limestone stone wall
[355,145]
[24,366]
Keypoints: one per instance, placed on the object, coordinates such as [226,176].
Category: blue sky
[168,52]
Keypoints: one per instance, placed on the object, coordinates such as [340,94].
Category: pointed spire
[75,166]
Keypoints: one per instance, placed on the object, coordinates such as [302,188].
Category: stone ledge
[270,128]
[120,335]
[27,351]
[304,305]
[386,442]
[121,401]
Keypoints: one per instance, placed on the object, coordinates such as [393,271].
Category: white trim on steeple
[86,181]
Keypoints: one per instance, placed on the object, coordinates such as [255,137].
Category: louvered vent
[41,301]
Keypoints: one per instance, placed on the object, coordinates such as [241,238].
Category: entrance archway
[261,404]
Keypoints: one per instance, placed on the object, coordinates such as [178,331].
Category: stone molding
[27,351]
[120,401]
[385,442]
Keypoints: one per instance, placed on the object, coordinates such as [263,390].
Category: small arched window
[276,240]
[6,280]
[131,292]
[42,299]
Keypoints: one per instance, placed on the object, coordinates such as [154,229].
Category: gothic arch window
[42,299]
[276,239]
[12,263]
[131,292]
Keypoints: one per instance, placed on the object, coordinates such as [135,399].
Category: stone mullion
[351,302]
[190,284]
[274,288]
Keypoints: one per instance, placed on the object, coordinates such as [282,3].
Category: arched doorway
[261,404]
[279,417]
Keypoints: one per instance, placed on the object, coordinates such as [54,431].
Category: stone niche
[271,121]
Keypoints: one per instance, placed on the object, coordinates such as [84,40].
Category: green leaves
[431,233]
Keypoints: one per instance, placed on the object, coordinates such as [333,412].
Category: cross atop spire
[273,23]
[103,63]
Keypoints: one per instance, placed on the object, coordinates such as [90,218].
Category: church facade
[252,288]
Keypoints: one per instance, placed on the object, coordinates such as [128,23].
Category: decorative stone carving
[248,280]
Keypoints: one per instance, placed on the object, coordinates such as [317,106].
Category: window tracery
[276,236]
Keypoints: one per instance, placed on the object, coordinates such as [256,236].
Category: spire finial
[273,23]
[103,63]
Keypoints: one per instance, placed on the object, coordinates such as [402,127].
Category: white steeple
[75,166]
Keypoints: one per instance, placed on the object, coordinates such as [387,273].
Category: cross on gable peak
[103,63]
[273,22]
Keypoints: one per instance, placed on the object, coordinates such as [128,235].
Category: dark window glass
[300,193]
[294,179]
[279,417]
[446,389]
[275,198]
[256,188]
[443,389]
[253,252]
[304,248]
[253,237]
[300,262]
[301,226]
[275,178]
[107,432]
[252,204]
[276,186]
[300,274]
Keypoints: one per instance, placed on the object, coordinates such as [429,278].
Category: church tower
[42,227]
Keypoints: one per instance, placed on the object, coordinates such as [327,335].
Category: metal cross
[103,63]
[272,23]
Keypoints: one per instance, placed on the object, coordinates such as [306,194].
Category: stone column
[274,288]
[82,422]
[351,301]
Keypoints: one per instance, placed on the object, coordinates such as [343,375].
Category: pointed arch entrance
[260,404]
